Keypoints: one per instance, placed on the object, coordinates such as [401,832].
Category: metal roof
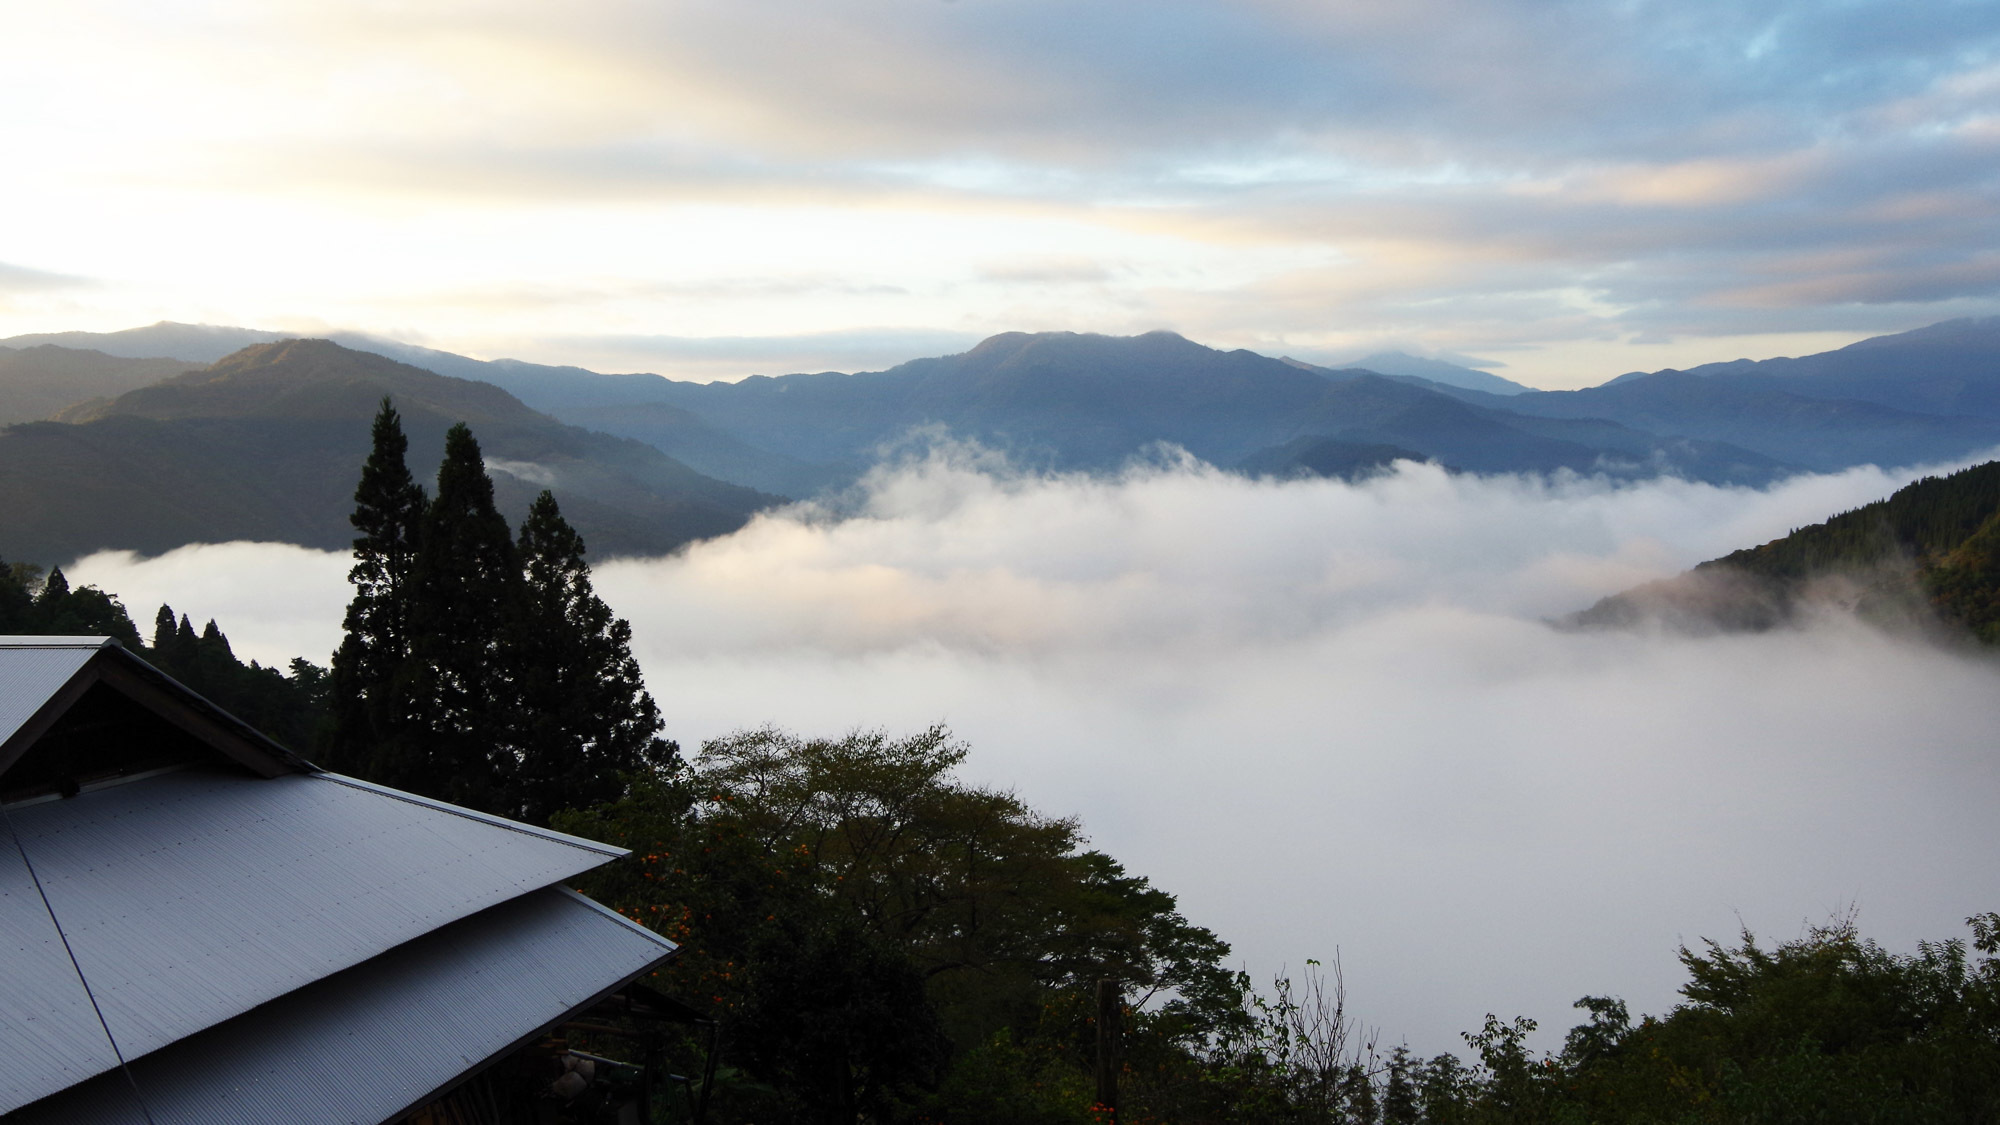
[385,1036]
[48,1034]
[41,677]
[192,896]
[36,668]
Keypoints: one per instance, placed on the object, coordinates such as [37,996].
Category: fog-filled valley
[812,562]
[1330,716]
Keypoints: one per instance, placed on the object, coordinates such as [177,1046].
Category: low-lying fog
[1327,716]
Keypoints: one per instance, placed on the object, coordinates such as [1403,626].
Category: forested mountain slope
[267,443]
[1930,552]
[37,382]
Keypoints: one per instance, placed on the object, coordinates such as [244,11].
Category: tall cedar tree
[467,591]
[371,709]
[586,717]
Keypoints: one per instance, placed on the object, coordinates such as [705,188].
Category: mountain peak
[304,378]
[1965,331]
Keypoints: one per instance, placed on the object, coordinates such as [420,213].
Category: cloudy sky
[1329,717]
[713,187]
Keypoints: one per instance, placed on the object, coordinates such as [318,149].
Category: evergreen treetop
[515,690]
[461,687]
[388,512]
[587,715]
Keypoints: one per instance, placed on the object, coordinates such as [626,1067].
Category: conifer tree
[466,590]
[586,716]
[371,715]
[85,611]
[54,589]
[17,601]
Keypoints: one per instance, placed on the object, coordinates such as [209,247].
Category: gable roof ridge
[126,672]
[549,834]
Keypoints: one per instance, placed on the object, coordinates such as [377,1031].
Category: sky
[711,188]
[1332,718]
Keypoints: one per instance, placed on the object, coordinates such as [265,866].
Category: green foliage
[1934,543]
[1829,1027]
[1922,521]
[967,929]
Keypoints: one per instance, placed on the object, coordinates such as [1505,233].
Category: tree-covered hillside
[1931,550]
[289,705]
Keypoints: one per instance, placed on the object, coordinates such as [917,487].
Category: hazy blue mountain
[1949,368]
[1325,457]
[1404,365]
[39,380]
[268,443]
[637,407]
[1058,399]
[1077,401]
[580,397]
[686,438]
[1365,407]
[1068,400]
[194,343]
[1819,433]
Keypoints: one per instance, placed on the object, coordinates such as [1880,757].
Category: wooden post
[1109,1017]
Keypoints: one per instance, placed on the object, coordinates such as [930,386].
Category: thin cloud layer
[1327,715]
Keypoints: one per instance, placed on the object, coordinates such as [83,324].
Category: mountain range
[245,434]
[267,444]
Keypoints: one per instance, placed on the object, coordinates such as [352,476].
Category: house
[198,925]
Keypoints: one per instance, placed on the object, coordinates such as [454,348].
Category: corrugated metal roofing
[192,896]
[35,668]
[382,1036]
[49,1038]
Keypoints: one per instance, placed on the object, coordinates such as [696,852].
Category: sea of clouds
[1329,716]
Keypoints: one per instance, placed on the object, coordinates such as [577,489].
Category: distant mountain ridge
[267,443]
[1404,365]
[1950,368]
[41,380]
[1075,401]
[1079,401]
[191,343]
[1824,434]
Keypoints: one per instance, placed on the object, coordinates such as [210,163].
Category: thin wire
[80,978]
